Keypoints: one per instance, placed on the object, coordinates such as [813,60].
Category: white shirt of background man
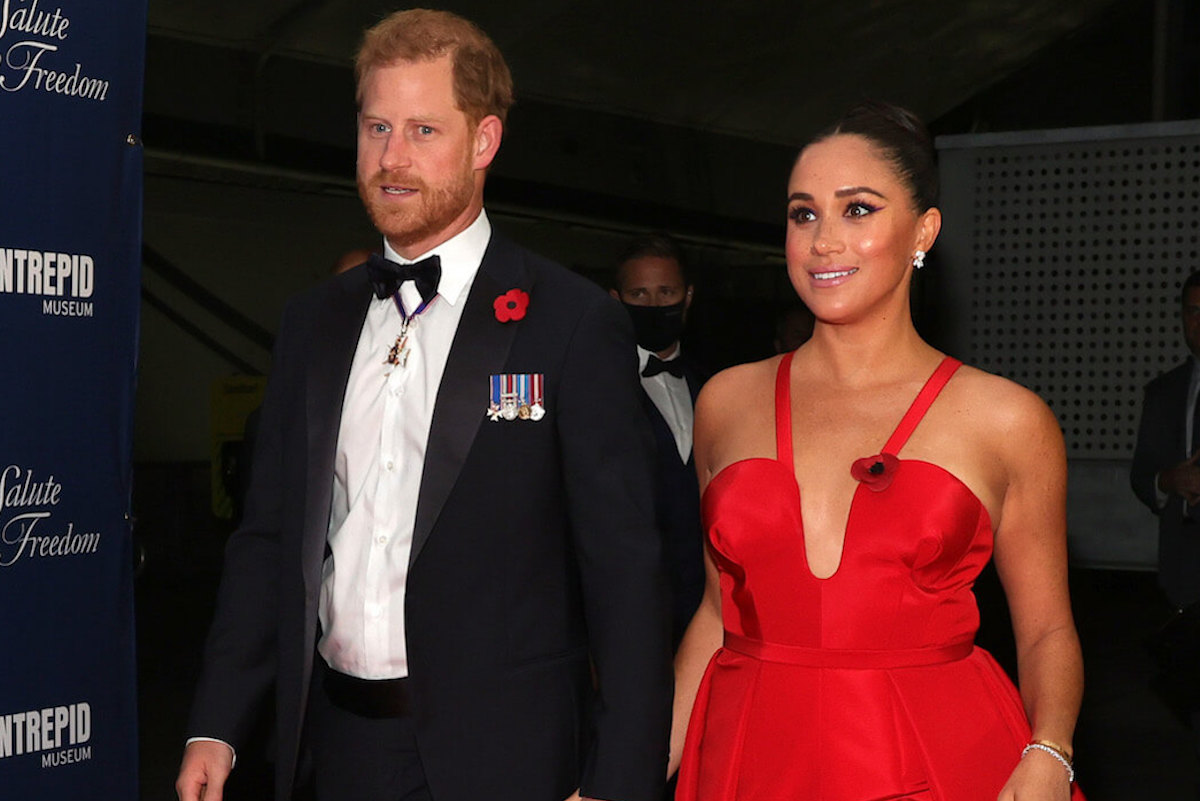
[673,400]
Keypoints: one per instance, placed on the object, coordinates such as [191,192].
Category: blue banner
[70,231]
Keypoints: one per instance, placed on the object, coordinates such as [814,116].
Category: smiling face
[852,230]
[421,162]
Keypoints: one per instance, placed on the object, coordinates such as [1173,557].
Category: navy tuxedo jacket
[534,550]
[1160,444]
[676,489]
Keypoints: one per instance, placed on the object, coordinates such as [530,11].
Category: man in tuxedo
[448,568]
[651,280]
[1165,473]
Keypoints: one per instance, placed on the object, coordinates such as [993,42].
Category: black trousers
[355,757]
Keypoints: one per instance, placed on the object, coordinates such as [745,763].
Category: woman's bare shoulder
[740,373]
[1002,407]
[734,414]
[743,381]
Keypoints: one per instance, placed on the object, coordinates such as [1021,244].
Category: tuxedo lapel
[657,421]
[480,349]
[333,343]
[1176,404]
[664,437]
[694,383]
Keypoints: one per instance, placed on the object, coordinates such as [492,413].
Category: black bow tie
[387,276]
[655,365]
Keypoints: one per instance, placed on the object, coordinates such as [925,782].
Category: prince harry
[450,603]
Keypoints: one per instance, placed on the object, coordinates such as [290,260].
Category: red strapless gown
[865,686]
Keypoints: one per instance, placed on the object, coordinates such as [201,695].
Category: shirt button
[390,465]
[382,540]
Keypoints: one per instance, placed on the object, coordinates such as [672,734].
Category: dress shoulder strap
[783,411]
[925,398]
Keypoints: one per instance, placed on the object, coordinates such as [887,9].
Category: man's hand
[1183,479]
[206,766]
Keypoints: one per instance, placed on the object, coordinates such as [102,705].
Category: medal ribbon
[407,318]
[398,354]
[522,389]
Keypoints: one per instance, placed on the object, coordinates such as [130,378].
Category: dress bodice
[865,684]
[916,538]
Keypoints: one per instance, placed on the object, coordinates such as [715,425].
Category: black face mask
[656,328]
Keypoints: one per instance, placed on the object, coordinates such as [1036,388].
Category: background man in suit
[793,327]
[1166,477]
[449,514]
[351,258]
[651,280]
[1165,474]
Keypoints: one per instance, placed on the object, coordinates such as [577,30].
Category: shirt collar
[461,256]
[644,356]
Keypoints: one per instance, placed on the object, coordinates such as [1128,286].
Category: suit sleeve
[607,454]
[240,653]
[1154,451]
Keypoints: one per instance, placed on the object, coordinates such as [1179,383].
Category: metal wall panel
[1059,267]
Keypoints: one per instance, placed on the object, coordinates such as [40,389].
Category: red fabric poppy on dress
[876,471]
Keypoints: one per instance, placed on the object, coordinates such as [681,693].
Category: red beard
[432,210]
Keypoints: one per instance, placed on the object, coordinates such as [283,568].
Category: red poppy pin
[876,471]
[511,306]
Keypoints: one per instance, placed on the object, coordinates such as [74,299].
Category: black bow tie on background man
[387,276]
[655,365]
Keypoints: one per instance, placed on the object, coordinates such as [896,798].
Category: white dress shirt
[384,429]
[673,400]
[1193,390]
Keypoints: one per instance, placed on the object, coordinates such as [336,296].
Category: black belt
[370,698]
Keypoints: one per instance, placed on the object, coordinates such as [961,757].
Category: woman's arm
[705,633]
[703,637]
[1031,557]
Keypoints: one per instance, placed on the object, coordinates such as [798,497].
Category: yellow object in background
[232,401]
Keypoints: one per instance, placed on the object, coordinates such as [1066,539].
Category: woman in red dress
[852,492]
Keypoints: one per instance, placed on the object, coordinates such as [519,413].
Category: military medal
[517,396]
[398,354]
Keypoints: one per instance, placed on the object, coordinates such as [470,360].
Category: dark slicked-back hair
[482,83]
[901,138]
[1191,282]
[657,244]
